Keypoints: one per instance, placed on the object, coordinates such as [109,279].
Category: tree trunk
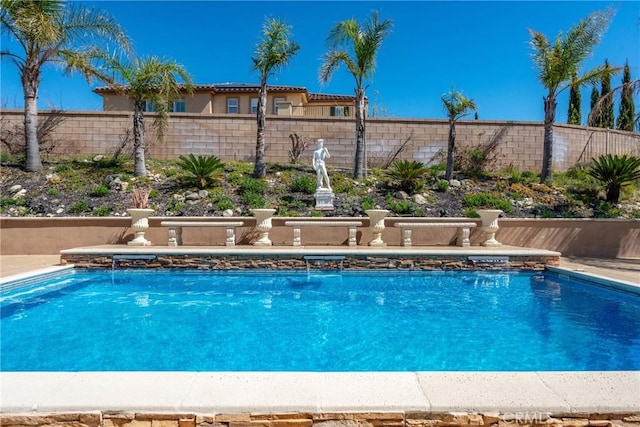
[260,170]
[547,149]
[613,193]
[358,165]
[32,146]
[139,166]
[450,149]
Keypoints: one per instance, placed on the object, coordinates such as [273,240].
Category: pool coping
[550,393]
[554,393]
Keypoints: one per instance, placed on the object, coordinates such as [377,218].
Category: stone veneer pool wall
[300,419]
[289,262]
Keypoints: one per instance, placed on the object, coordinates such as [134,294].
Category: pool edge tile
[489,392]
[596,391]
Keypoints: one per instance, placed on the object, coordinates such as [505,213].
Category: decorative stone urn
[376,225]
[263,225]
[490,226]
[139,223]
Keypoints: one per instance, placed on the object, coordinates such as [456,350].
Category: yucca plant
[615,172]
[203,169]
[409,175]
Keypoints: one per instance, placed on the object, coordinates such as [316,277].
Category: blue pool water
[141,320]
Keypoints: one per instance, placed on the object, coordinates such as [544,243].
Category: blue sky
[479,48]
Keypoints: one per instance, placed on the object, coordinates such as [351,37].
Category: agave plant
[409,175]
[615,172]
[203,169]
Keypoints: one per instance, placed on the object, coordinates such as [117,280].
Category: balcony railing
[286,109]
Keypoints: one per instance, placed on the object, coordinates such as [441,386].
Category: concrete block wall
[232,137]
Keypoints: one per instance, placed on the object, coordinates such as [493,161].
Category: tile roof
[233,87]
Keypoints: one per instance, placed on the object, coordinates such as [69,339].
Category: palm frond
[332,61]
[457,105]
[275,50]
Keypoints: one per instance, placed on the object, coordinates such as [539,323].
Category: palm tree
[557,62]
[457,106]
[148,81]
[363,41]
[615,172]
[50,32]
[272,54]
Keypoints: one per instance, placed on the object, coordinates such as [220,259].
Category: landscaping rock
[419,199]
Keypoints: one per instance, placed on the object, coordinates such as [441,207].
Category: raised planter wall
[599,238]
[232,137]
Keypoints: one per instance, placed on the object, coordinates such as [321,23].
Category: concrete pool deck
[503,394]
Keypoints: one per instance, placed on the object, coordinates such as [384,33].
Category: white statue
[319,155]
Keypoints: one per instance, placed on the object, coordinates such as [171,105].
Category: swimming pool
[146,320]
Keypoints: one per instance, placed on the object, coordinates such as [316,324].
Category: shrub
[368,203]
[486,201]
[78,207]
[342,184]
[303,184]
[298,144]
[224,203]
[103,210]
[615,172]
[99,191]
[443,185]
[203,170]
[403,207]
[254,200]
[408,174]
[252,185]
[607,210]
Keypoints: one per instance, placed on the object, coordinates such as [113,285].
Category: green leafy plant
[368,203]
[78,207]
[254,200]
[615,172]
[99,191]
[303,184]
[52,192]
[202,170]
[224,203]
[408,174]
[252,185]
[443,185]
[103,210]
[486,201]
[402,207]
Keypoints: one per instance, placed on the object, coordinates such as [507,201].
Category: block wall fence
[233,138]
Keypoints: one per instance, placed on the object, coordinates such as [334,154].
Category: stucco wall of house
[232,137]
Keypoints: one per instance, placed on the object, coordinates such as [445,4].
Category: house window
[276,101]
[232,106]
[254,105]
[148,107]
[340,111]
[178,106]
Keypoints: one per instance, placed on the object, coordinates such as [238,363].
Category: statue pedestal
[324,199]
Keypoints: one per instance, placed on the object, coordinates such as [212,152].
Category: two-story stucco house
[242,98]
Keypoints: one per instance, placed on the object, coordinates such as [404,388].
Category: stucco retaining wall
[599,238]
[232,137]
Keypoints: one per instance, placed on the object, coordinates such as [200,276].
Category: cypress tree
[574,116]
[627,107]
[595,116]
[607,103]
